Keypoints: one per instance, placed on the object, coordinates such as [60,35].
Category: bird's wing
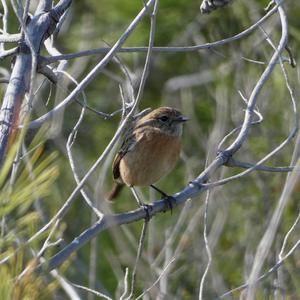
[127,146]
[115,166]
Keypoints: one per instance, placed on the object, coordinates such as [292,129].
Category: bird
[149,151]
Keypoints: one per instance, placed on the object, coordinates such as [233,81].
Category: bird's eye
[164,118]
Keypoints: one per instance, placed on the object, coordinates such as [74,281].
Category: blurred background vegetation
[204,85]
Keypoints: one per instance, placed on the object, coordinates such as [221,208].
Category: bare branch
[98,294]
[208,251]
[138,257]
[158,279]
[10,38]
[44,6]
[97,69]
[195,48]
[23,73]
[7,53]
[236,163]
[5,22]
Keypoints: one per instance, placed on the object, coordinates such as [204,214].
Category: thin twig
[7,53]
[241,164]
[208,251]
[138,257]
[4,21]
[10,38]
[280,255]
[125,281]
[256,122]
[105,50]
[70,142]
[158,279]
[96,293]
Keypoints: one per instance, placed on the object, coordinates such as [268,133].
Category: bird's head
[167,119]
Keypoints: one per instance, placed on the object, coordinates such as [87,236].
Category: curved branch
[104,50]
[10,38]
[10,52]
[241,164]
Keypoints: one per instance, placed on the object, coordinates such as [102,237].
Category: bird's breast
[152,157]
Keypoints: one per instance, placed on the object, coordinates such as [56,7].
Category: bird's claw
[147,208]
[169,202]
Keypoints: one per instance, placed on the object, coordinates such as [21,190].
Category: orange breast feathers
[153,156]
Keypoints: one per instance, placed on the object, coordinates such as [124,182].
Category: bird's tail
[116,189]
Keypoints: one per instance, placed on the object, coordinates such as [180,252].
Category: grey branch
[104,50]
[241,164]
[44,6]
[10,38]
[39,28]
[10,52]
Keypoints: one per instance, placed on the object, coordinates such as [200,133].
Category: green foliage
[24,181]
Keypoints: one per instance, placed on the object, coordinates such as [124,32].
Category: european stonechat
[149,151]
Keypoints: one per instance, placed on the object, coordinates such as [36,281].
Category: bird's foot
[147,208]
[169,202]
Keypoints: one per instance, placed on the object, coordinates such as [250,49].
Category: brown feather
[115,191]
[116,165]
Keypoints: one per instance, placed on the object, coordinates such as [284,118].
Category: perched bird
[149,151]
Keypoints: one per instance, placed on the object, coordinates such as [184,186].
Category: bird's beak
[182,119]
